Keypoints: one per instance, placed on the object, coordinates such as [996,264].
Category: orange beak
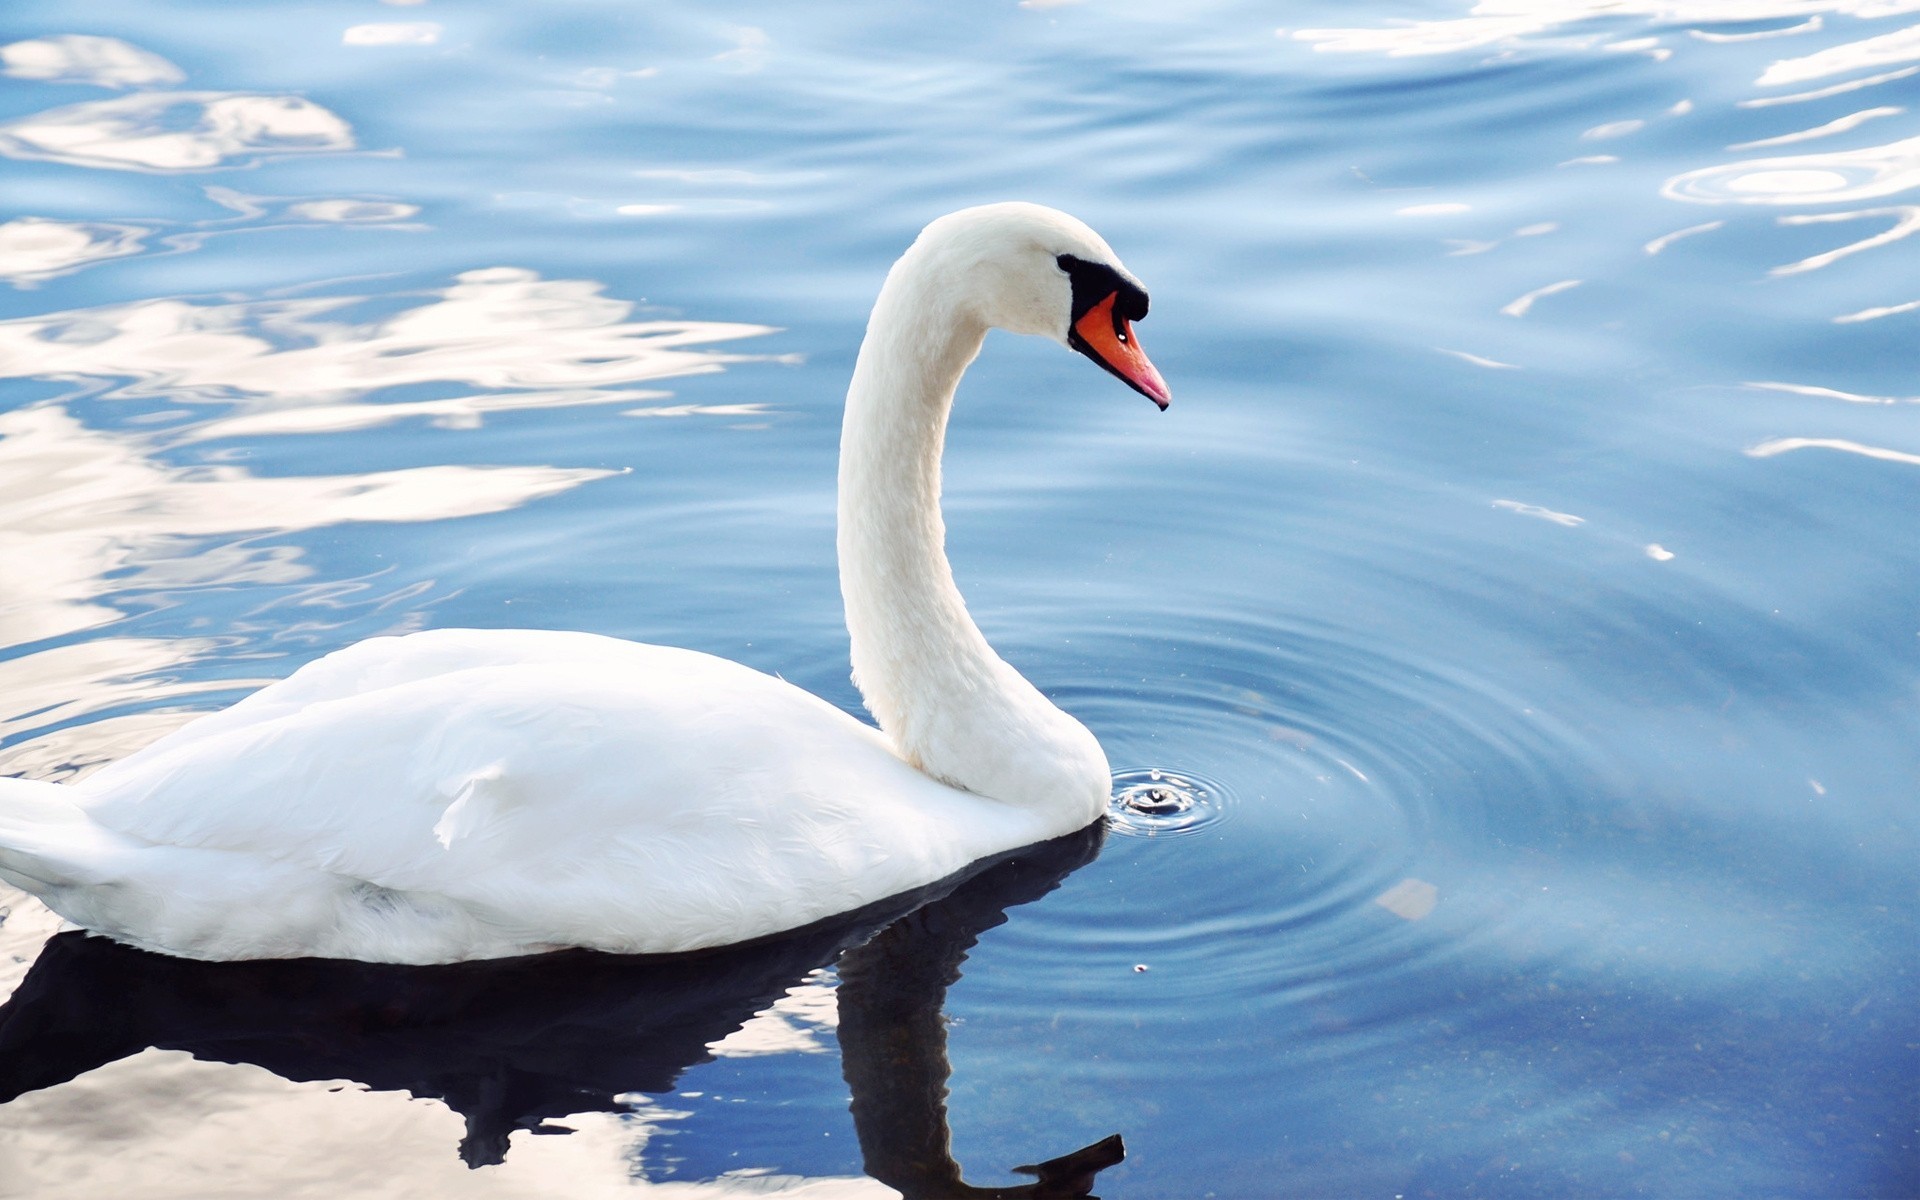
[1110,341]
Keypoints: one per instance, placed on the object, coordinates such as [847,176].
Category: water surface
[1526,568]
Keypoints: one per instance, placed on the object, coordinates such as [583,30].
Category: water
[1525,570]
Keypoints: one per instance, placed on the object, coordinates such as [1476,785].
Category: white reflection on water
[458,412]
[1906,222]
[187,1129]
[1614,129]
[1522,305]
[794,1024]
[398,33]
[1824,393]
[38,688]
[1544,514]
[501,327]
[76,751]
[175,131]
[1831,178]
[84,58]
[86,513]
[1844,124]
[36,248]
[1501,22]
[1785,445]
[1667,239]
[1810,25]
[352,212]
[1838,89]
[77,504]
[1478,360]
[1885,50]
[89,513]
[1876,312]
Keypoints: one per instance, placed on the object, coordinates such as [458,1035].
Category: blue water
[1526,569]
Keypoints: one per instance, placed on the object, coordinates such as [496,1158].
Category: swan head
[1035,270]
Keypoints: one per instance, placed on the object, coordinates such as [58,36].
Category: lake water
[1526,572]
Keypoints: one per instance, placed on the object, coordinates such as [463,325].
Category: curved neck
[952,707]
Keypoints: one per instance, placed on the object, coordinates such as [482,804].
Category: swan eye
[1094,282]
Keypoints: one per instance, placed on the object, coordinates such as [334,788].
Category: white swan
[467,794]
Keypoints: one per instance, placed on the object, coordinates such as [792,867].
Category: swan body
[462,794]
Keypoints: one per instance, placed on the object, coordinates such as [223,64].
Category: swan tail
[47,842]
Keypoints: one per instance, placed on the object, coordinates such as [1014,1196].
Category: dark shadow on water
[511,1044]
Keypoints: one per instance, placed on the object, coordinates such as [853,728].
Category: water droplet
[1150,802]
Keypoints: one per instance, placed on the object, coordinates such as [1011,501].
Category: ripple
[1804,179]
[1353,777]
[1150,802]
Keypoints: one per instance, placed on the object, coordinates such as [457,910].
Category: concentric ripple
[1150,802]
[1343,801]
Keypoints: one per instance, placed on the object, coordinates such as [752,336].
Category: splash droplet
[1150,802]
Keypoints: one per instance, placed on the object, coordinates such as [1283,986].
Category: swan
[469,794]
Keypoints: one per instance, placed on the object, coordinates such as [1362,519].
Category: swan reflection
[517,1045]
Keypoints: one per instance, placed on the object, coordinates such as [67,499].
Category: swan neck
[949,704]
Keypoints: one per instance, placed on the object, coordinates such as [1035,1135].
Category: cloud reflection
[1667,239]
[1876,312]
[1838,89]
[1810,25]
[84,58]
[1844,124]
[1823,393]
[1836,177]
[1502,22]
[37,248]
[1522,305]
[352,212]
[1885,50]
[177,1126]
[399,33]
[175,131]
[1786,445]
[87,513]
[1906,222]
[1544,514]
[499,327]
